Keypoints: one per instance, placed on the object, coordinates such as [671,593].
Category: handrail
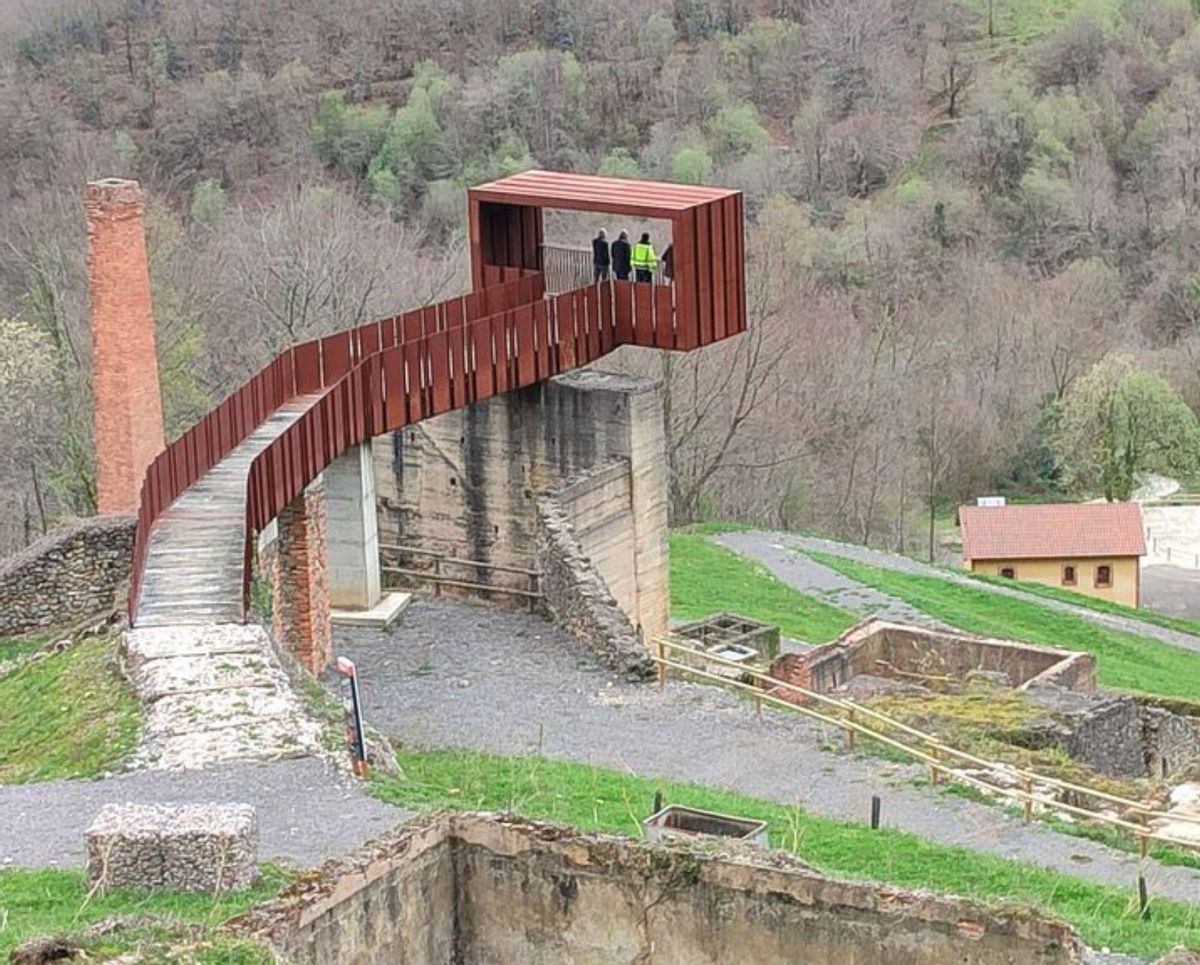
[390,373]
[300,369]
[447,558]
[937,747]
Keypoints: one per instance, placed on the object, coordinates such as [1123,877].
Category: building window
[1068,576]
[1104,575]
[1008,572]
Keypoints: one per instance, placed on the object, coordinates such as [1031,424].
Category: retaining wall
[75,572]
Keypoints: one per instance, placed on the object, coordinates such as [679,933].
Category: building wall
[1126,580]
[466,483]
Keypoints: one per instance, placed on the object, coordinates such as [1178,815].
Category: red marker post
[355,734]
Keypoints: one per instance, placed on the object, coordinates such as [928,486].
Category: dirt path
[452,674]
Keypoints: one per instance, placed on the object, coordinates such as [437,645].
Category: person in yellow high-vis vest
[644,260]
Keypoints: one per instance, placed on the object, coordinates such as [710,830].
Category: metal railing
[858,720]
[438,578]
[571,266]
[310,367]
[566,267]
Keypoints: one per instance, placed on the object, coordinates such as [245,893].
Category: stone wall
[466,483]
[75,572]
[1170,742]
[883,649]
[1103,731]
[579,598]
[485,888]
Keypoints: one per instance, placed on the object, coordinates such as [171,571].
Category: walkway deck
[195,557]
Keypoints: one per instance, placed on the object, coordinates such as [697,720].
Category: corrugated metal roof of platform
[589,192]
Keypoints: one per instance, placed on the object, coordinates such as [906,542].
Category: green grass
[56,902]
[707,578]
[1125,660]
[593,798]
[1091,603]
[12,647]
[67,715]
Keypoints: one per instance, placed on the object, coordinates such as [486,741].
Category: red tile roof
[1051,530]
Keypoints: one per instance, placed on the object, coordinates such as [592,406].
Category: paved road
[779,552]
[307,810]
[1172,590]
[452,674]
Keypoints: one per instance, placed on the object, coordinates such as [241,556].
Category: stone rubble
[182,847]
[214,693]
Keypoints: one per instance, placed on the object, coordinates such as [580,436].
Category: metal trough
[676,821]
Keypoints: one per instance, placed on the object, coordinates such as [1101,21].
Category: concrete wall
[1126,575]
[376,908]
[466,482]
[486,889]
[599,508]
[77,571]
[579,598]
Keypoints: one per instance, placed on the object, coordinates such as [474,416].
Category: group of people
[621,258]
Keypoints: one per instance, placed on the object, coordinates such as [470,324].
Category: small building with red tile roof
[1090,548]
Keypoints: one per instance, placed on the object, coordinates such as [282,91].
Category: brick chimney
[128,420]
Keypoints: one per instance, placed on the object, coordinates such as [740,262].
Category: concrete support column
[352,533]
[299,578]
[648,490]
[127,407]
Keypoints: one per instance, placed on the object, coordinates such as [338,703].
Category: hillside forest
[973,239]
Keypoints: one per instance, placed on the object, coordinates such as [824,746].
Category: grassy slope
[1126,660]
[595,798]
[34,903]
[67,715]
[707,578]
[11,647]
[1092,603]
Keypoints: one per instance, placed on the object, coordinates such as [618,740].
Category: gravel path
[453,674]
[779,552]
[307,810]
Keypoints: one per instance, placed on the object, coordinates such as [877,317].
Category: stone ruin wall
[77,571]
[482,484]
[485,888]
[882,649]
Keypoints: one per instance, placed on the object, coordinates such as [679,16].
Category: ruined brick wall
[299,581]
[127,407]
[77,571]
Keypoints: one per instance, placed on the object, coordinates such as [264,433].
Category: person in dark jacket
[668,263]
[621,250]
[600,257]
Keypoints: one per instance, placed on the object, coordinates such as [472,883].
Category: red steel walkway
[207,494]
